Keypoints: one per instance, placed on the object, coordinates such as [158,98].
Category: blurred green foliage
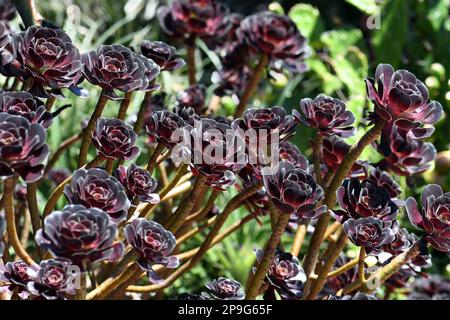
[410,34]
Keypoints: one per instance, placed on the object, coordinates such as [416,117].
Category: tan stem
[298,240]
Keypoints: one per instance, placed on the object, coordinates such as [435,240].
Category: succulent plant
[434,216]
[114,139]
[293,190]
[48,57]
[223,289]
[22,147]
[81,235]
[24,104]
[162,127]
[193,97]
[153,244]
[399,97]
[95,188]
[15,277]
[138,183]
[433,288]
[165,56]
[328,115]
[116,67]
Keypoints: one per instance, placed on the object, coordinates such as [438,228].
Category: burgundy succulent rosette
[23,104]
[291,153]
[434,216]
[187,18]
[400,98]
[5,41]
[430,288]
[224,289]
[153,243]
[334,150]
[48,57]
[215,150]
[294,191]
[164,55]
[193,97]
[188,114]
[139,183]
[116,67]
[370,233]
[114,139]
[14,276]
[22,147]
[163,127]
[285,276]
[52,279]
[403,155]
[81,235]
[278,37]
[95,188]
[328,115]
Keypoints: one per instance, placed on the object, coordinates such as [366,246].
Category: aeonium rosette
[434,218]
[401,99]
[115,67]
[294,191]
[14,276]
[165,56]
[215,150]
[139,183]
[81,235]
[22,147]
[153,243]
[163,126]
[95,188]
[224,289]
[48,57]
[278,37]
[24,104]
[285,275]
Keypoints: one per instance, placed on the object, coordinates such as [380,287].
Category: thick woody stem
[328,264]
[28,12]
[316,144]
[298,240]
[330,195]
[269,254]
[154,158]
[49,103]
[192,68]
[343,268]
[361,258]
[251,86]
[11,229]
[86,142]
[124,105]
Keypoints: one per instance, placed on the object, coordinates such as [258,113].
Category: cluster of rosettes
[432,288]
[369,209]
[52,279]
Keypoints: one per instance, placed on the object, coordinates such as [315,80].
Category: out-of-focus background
[348,39]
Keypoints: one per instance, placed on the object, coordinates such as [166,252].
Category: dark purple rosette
[366,198]
[188,114]
[52,279]
[14,276]
[153,243]
[192,18]
[291,153]
[165,56]
[277,36]
[231,81]
[285,276]
[139,183]
[400,98]
[193,97]
[224,289]
[57,176]
[165,127]
[334,150]
[370,233]
[48,57]
[22,147]
[24,104]
[117,67]
[328,115]
[403,155]
[214,150]
[434,218]
[95,188]
[114,139]
[80,235]
[294,191]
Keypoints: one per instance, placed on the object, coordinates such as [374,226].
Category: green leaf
[390,39]
[369,7]
[308,21]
